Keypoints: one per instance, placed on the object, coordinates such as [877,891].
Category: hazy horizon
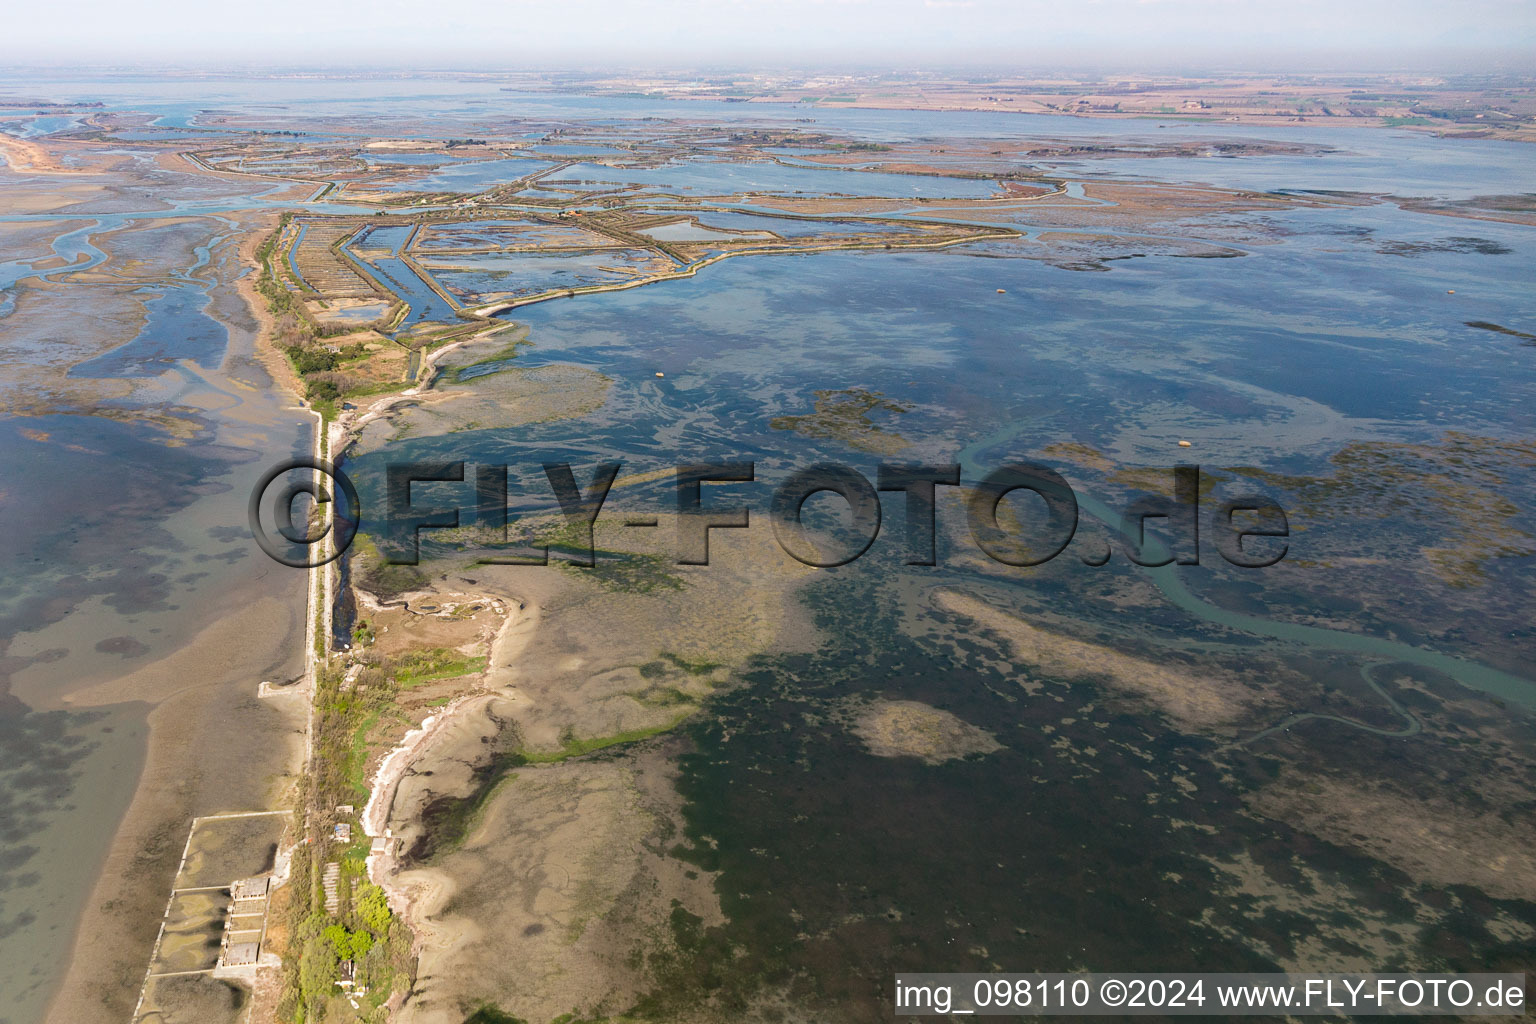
[990,35]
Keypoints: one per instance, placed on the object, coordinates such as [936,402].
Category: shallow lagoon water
[683,231]
[793,227]
[484,274]
[1156,350]
[1341,329]
[89,763]
[37,127]
[1387,162]
[701,177]
[177,329]
[425,304]
[471,176]
[391,237]
[115,545]
[576,149]
[120,548]
[1399,162]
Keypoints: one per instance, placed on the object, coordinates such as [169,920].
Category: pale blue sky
[512,33]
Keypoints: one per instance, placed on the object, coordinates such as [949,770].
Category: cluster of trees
[308,359]
[318,364]
[348,945]
[377,944]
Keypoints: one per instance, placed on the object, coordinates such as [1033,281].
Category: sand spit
[24,157]
[383,860]
[349,426]
[386,781]
[1435,841]
[1197,701]
[909,728]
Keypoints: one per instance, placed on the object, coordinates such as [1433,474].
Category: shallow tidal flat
[135,625]
[585,660]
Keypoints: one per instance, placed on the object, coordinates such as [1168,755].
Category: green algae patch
[420,667]
[449,820]
[1484,325]
[1450,491]
[574,747]
[382,579]
[848,416]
